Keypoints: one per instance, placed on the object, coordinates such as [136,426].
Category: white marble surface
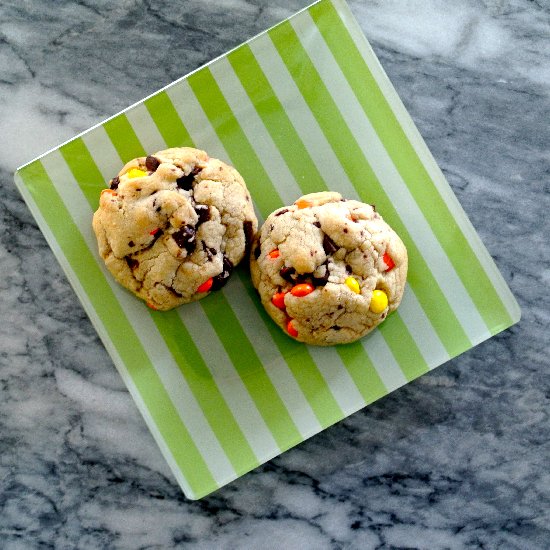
[457,459]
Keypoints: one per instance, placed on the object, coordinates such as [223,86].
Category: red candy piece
[154,232]
[274,254]
[150,305]
[291,330]
[303,289]
[278,300]
[206,286]
[388,261]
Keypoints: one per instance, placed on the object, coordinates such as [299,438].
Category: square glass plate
[303,107]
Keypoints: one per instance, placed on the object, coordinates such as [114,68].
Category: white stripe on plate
[396,189]
[276,367]
[145,129]
[417,322]
[426,158]
[228,381]
[181,395]
[254,129]
[99,145]
[104,335]
[337,377]
[386,366]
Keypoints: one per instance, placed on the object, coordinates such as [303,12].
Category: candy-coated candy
[302,203]
[109,191]
[278,300]
[379,301]
[150,305]
[135,173]
[291,330]
[274,254]
[154,231]
[303,289]
[353,284]
[388,261]
[206,286]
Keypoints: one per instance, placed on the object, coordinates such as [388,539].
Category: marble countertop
[457,459]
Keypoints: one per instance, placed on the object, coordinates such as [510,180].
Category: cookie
[172,226]
[328,270]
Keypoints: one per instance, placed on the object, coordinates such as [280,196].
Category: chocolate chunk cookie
[328,270]
[172,225]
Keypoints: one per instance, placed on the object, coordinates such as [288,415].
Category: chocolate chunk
[323,280]
[221,279]
[186,182]
[152,163]
[248,234]
[114,182]
[281,212]
[335,327]
[329,245]
[348,269]
[185,238]
[286,273]
[131,244]
[203,212]
[317,224]
[132,263]
[257,252]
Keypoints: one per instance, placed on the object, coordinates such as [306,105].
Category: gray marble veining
[457,459]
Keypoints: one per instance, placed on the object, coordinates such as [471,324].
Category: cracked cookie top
[172,225]
[328,270]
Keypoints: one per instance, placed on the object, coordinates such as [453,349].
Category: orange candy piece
[291,330]
[110,191]
[206,286]
[303,289]
[302,203]
[274,254]
[278,300]
[150,305]
[388,261]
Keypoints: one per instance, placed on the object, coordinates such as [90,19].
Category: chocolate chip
[248,234]
[185,238]
[158,209]
[323,280]
[335,327]
[348,269]
[221,279]
[286,273]
[131,244]
[114,182]
[317,224]
[345,229]
[186,182]
[328,245]
[132,263]
[152,163]
[203,212]
[257,252]
[281,212]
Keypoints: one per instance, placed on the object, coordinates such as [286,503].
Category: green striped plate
[302,107]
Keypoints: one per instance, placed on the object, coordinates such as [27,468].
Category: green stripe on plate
[84,169]
[121,333]
[405,159]
[124,138]
[236,144]
[205,390]
[366,184]
[403,347]
[276,120]
[245,360]
[300,363]
[168,122]
[215,410]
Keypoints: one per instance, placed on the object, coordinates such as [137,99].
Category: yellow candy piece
[353,285]
[135,173]
[379,301]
